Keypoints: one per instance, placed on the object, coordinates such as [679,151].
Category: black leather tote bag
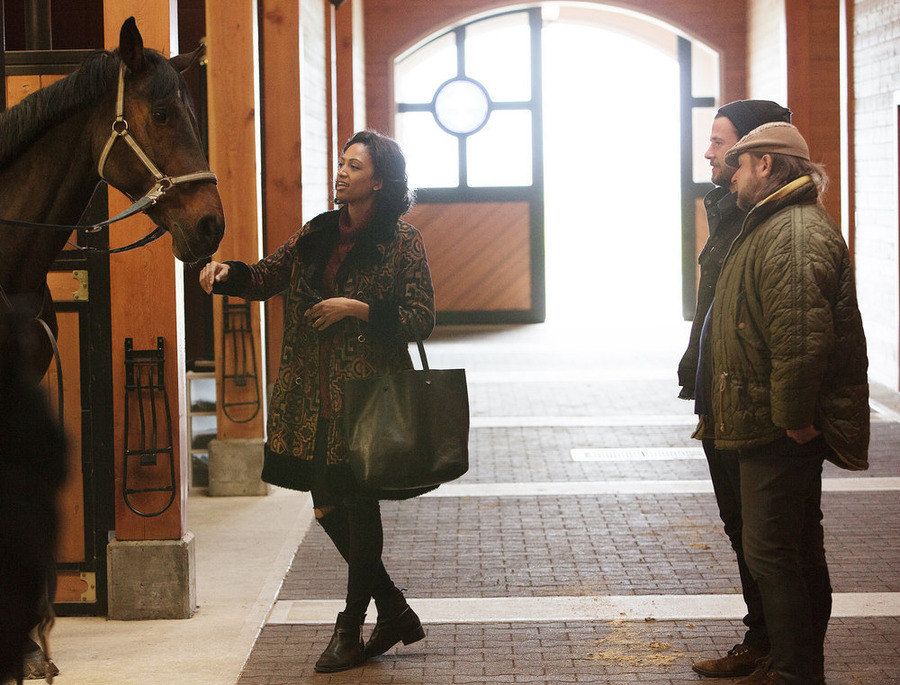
[408,430]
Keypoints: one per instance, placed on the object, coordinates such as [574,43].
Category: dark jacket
[388,270]
[787,338]
[724,219]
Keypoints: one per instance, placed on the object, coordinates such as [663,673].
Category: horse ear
[131,46]
[182,63]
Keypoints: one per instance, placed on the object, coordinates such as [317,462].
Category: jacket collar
[800,191]
[321,236]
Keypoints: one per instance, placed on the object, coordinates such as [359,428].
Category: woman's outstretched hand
[213,273]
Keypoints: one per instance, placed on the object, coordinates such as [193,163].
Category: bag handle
[422,356]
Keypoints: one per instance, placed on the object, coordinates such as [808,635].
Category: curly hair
[395,197]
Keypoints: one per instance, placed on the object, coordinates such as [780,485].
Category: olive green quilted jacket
[787,338]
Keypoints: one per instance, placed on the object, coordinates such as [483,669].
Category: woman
[358,290]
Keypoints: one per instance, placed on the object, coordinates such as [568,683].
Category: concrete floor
[244,546]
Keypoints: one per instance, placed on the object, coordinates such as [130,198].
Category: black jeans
[353,522]
[781,495]
[725,472]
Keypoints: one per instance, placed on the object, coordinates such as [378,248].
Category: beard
[748,194]
[722,175]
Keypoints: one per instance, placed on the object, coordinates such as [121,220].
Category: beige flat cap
[777,136]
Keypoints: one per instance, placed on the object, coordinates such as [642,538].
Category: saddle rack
[145,389]
[238,371]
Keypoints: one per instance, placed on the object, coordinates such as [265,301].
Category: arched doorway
[582,113]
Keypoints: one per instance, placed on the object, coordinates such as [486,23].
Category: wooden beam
[145,286]
[345,92]
[281,59]
[234,120]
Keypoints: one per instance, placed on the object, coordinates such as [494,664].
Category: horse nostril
[211,228]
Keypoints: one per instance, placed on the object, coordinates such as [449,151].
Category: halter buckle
[162,185]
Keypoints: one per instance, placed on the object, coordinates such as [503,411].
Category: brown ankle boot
[763,675]
[741,660]
[346,649]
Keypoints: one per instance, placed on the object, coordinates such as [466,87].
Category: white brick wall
[876,54]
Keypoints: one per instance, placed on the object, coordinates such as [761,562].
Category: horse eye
[160,116]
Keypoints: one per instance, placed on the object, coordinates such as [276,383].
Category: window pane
[498,55]
[703,119]
[500,153]
[432,155]
[203,394]
[418,75]
[704,71]
[461,106]
[203,429]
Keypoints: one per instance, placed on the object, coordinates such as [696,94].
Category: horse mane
[24,123]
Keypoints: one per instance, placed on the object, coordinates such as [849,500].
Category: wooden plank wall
[70,504]
[479,254]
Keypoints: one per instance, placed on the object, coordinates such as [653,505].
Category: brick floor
[659,543]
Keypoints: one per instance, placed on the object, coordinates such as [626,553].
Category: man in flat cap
[724,217]
[788,386]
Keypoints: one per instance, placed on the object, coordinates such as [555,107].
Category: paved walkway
[584,544]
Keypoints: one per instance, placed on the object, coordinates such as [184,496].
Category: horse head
[158,117]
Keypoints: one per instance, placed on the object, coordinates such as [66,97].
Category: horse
[61,141]
[123,117]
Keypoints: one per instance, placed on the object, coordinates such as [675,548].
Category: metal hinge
[81,276]
[90,594]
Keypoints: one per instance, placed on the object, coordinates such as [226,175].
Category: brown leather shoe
[740,660]
[763,675]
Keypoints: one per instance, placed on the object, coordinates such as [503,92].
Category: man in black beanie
[733,121]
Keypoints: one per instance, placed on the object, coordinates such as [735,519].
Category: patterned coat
[388,270]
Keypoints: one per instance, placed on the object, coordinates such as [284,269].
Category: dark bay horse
[123,116]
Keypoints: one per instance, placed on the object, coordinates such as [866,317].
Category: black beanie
[746,115]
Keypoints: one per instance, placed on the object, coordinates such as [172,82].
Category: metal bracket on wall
[145,389]
[239,370]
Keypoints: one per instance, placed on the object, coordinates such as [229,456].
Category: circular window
[461,106]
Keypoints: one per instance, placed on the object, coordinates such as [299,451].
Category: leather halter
[120,131]
[162,185]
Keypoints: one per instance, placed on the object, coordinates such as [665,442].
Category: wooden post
[150,563]
[146,304]
[350,79]
[234,125]
[282,57]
